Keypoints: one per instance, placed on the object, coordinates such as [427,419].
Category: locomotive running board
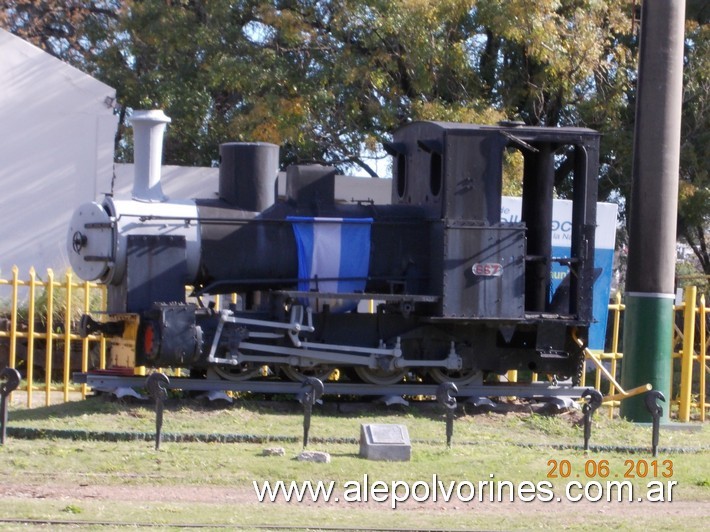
[358,296]
[539,389]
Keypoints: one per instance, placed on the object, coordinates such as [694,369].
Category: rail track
[104,382]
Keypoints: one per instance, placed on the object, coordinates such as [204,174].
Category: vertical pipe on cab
[538,183]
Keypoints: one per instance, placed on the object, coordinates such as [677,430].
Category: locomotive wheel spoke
[297,374]
[457,376]
[380,376]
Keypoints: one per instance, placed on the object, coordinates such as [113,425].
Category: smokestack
[148,130]
[247,174]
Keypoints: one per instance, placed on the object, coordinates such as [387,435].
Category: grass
[211,483]
[285,419]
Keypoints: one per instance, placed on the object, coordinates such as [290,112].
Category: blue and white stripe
[333,253]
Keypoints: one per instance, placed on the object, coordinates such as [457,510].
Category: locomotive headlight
[90,242]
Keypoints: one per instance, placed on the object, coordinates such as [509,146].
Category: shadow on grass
[88,406]
[331,408]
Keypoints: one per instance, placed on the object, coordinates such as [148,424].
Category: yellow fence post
[85,341]
[677,341]
[616,307]
[50,338]
[102,341]
[67,335]
[686,366]
[102,352]
[31,338]
[13,319]
[703,355]
[615,344]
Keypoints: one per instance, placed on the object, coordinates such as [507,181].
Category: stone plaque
[385,442]
[386,434]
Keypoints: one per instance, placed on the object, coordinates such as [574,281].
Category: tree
[330,79]
[326,80]
[72,30]
[564,63]
[694,193]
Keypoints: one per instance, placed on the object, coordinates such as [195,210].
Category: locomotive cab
[496,275]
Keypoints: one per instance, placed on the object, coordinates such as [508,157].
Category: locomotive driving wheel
[380,376]
[457,376]
[296,374]
[238,372]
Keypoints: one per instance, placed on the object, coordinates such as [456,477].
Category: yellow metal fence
[40,320]
[39,332]
[689,361]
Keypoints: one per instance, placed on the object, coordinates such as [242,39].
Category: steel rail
[104,382]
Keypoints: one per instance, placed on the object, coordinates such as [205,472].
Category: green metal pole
[648,320]
[648,338]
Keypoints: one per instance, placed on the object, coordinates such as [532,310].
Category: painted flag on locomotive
[333,253]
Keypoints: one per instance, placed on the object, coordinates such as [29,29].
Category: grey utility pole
[648,321]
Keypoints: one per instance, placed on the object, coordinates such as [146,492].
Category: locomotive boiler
[432,286]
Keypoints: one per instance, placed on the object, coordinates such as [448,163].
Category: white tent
[56,152]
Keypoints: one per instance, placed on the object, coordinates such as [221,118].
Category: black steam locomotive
[433,285]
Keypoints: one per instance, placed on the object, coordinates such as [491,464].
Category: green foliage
[327,80]
[73,30]
[688,274]
[694,192]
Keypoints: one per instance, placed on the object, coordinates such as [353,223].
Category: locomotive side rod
[317,353]
[303,350]
[102,382]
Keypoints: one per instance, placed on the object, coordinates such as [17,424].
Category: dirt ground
[241,496]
